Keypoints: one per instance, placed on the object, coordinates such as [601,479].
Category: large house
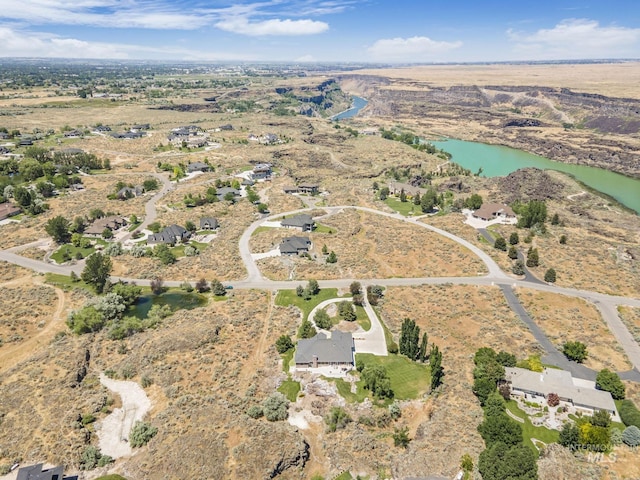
[208,223]
[198,167]
[37,472]
[335,349]
[112,223]
[490,211]
[304,222]
[310,189]
[170,235]
[129,192]
[294,245]
[8,210]
[395,188]
[573,392]
[261,171]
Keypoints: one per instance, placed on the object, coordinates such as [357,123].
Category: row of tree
[415,348]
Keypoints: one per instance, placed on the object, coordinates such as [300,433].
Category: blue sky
[397,31]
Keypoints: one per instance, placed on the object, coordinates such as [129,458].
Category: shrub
[610,382]
[631,436]
[550,276]
[553,400]
[629,414]
[518,268]
[337,419]
[576,351]
[395,411]
[500,244]
[284,344]
[322,320]
[92,458]
[141,433]
[276,407]
[255,411]
[401,437]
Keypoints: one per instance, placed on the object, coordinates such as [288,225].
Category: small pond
[175,300]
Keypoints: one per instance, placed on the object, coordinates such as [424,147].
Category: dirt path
[253,363]
[114,430]
[13,354]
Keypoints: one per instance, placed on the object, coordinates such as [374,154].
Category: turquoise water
[497,161]
[176,300]
[358,104]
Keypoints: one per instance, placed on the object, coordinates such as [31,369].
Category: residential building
[228,126]
[395,188]
[99,225]
[170,235]
[303,221]
[290,189]
[261,171]
[8,210]
[222,192]
[490,211]
[295,245]
[37,472]
[208,223]
[129,192]
[573,392]
[308,188]
[198,167]
[331,349]
[73,133]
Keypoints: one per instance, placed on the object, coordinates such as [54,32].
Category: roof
[489,210]
[397,187]
[36,472]
[300,221]
[221,192]
[197,167]
[169,234]
[209,221]
[294,244]
[336,348]
[112,222]
[560,382]
[8,209]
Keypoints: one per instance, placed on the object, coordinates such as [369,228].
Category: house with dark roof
[140,127]
[37,472]
[112,223]
[129,192]
[330,349]
[75,133]
[395,188]
[222,192]
[308,188]
[573,392]
[290,189]
[261,171]
[102,129]
[302,221]
[169,236]
[4,136]
[490,211]
[8,210]
[294,245]
[198,167]
[228,126]
[208,223]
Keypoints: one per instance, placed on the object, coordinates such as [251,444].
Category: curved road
[607,304]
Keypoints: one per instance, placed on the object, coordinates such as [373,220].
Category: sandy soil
[114,430]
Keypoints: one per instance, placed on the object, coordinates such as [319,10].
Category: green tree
[190,226]
[306,330]
[97,270]
[482,388]
[473,202]
[533,213]
[600,418]
[514,239]
[355,288]
[163,253]
[345,310]
[506,359]
[284,344]
[276,407]
[501,462]
[466,463]
[428,200]
[377,381]
[332,258]
[383,193]
[435,364]
[217,288]
[518,268]
[500,244]
[86,320]
[555,220]
[403,196]
[563,239]
[141,433]
[299,290]
[409,339]
[533,259]
[500,428]
[569,435]
[322,320]
[512,253]
[550,276]
[576,351]
[417,199]
[58,228]
[610,382]
[313,287]
[422,352]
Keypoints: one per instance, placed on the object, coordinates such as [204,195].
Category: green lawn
[58,255]
[178,251]
[344,476]
[319,228]
[530,431]
[409,379]
[344,389]
[285,298]
[260,230]
[66,283]
[362,318]
[405,208]
[290,389]
[286,359]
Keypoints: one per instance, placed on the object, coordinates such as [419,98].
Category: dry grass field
[631,318]
[369,246]
[617,79]
[564,319]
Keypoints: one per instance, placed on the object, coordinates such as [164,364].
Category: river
[358,104]
[496,160]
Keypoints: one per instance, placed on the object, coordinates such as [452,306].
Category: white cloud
[20,43]
[243,26]
[306,58]
[413,49]
[578,38]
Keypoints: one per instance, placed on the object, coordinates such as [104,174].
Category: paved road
[606,303]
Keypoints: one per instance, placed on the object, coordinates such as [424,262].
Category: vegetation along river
[497,161]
